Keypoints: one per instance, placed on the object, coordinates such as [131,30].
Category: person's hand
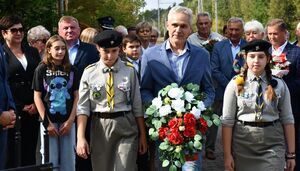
[31,109]
[65,127]
[290,165]
[52,131]
[82,148]
[229,163]
[143,144]
[8,119]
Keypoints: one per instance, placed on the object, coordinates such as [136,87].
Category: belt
[258,124]
[110,115]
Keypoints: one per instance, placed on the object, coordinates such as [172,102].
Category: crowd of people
[77,99]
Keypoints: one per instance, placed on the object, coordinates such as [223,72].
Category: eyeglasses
[42,40]
[15,30]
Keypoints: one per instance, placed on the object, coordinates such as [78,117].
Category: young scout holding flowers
[109,90]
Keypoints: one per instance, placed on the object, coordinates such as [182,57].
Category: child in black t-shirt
[55,87]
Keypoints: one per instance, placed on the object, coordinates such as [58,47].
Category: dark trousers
[3,143]
[213,130]
[29,129]
[297,144]
[85,164]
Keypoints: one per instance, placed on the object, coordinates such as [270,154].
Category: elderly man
[204,32]
[81,55]
[176,61]
[7,106]
[277,34]
[222,58]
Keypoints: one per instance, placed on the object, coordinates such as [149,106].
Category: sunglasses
[15,30]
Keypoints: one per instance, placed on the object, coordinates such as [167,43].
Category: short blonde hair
[87,35]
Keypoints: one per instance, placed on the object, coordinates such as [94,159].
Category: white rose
[189,96]
[175,93]
[164,110]
[196,112]
[157,102]
[178,105]
[201,106]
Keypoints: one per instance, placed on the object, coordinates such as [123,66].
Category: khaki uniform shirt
[92,93]
[242,107]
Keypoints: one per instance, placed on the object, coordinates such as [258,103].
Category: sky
[153,4]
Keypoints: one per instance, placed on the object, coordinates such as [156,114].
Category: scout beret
[256,46]
[107,22]
[108,39]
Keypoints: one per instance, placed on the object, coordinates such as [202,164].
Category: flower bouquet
[179,120]
[280,65]
[209,44]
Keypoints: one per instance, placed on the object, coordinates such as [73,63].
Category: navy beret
[107,22]
[108,39]
[256,46]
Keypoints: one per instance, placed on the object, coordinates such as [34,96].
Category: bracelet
[289,156]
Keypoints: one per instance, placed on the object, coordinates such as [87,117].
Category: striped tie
[259,101]
[110,90]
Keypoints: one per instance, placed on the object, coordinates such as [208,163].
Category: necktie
[110,90]
[259,100]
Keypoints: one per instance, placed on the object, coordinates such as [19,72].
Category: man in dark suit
[81,55]
[277,34]
[223,54]
[177,61]
[7,107]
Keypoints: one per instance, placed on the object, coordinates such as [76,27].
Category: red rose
[203,126]
[175,137]
[175,122]
[162,131]
[189,131]
[189,119]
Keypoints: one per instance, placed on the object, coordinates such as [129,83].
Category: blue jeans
[3,146]
[61,150]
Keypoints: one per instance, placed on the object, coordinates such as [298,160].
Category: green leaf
[173,168]
[177,163]
[214,116]
[154,136]
[217,122]
[150,110]
[165,163]
[174,85]
[198,145]
[157,124]
[151,131]
[163,120]
[197,137]
[188,106]
[206,117]
[164,146]
[209,123]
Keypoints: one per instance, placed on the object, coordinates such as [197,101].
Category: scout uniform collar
[251,77]
[114,68]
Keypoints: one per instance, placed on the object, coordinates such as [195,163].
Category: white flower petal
[196,112]
[175,93]
[201,106]
[189,96]
[178,105]
[157,102]
[164,110]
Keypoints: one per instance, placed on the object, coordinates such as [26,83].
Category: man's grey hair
[235,20]
[184,10]
[204,14]
[254,25]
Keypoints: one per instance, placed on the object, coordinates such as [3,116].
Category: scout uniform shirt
[242,107]
[92,91]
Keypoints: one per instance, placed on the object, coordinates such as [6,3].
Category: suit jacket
[6,99]
[221,63]
[86,55]
[292,79]
[20,80]
[157,72]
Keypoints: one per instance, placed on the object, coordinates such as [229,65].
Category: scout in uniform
[109,92]
[258,124]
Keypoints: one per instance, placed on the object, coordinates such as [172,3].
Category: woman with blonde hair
[87,35]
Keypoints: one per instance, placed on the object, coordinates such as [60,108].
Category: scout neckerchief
[259,100]
[109,87]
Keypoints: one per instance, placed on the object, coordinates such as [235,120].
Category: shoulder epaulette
[93,64]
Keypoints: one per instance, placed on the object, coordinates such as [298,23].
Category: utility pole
[158,16]
[216,14]
[200,6]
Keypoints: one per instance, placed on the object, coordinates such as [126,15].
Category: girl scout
[258,131]
[109,92]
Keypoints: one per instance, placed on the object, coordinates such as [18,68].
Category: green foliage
[33,12]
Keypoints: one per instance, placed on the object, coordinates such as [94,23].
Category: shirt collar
[186,47]
[279,50]
[76,44]
[115,67]
[239,44]
[251,77]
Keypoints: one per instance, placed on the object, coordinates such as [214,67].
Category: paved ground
[215,165]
